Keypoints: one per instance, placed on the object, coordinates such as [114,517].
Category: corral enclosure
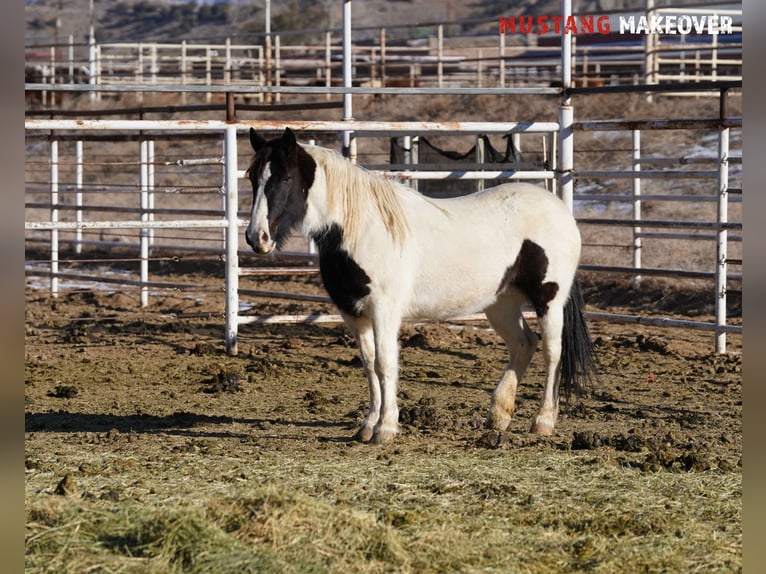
[150,449]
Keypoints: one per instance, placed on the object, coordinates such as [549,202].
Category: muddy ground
[102,373]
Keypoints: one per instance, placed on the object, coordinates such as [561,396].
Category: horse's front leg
[361,328]
[386,326]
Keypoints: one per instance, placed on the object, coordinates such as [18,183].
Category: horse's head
[281,174]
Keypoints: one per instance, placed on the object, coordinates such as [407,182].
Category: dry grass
[392,512]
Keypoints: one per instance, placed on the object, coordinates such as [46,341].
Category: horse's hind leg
[551,326]
[362,330]
[507,320]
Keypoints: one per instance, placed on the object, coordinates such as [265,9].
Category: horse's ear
[256,141]
[289,141]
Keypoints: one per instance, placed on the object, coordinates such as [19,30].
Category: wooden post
[440,55]
[383,57]
[328,63]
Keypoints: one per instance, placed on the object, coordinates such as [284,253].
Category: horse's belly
[454,294]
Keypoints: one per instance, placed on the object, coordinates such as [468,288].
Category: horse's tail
[578,358]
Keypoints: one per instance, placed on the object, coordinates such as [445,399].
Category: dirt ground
[102,373]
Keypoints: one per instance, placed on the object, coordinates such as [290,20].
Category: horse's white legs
[362,329]
[551,326]
[507,321]
[386,324]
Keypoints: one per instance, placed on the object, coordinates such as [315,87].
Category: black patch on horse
[343,278]
[527,274]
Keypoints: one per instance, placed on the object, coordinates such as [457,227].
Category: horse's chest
[343,278]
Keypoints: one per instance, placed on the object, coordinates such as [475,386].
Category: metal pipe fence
[66,217]
[490,61]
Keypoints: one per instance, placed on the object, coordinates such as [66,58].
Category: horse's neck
[357,200]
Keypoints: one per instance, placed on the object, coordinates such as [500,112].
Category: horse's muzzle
[264,245]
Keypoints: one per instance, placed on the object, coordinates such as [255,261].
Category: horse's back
[464,250]
[519,211]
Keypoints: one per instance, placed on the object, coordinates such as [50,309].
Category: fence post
[144,232]
[54,159]
[232,240]
[439,55]
[78,194]
[328,63]
[277,66]
[722,236]
[501,61]
[92,64]
[566,116]
[70,57]
[184,70]
[208,72]
[154,67]
[227,71]
[53,74]
[479,68]
[349,142]
[480,160]
[150,185]
[637,241]
[566,155]
[382,57]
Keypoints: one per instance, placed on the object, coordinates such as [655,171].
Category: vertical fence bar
[480,160]
[144,232]
[722,238]
[383,57]
[267,61]
[92,63]
[566,116]
[232,240]
[349,148]
[184,70]
[150,185]
[54,160]
[440,55]
[501,62]
[277,66]
[637,241]
[70,58]
[479,68]
[208,72]
[553,144]
[227,70]
[566,155]
[78,194]
[328,63]
[153,67]
[53,74]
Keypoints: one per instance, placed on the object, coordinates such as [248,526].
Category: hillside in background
[243,20]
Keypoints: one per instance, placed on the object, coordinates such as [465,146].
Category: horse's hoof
[541,428]
[498,424]
[364,434]
[383,436]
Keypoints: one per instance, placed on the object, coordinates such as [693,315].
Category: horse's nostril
[263,237]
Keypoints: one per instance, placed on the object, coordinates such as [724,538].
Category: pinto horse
[388,254]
